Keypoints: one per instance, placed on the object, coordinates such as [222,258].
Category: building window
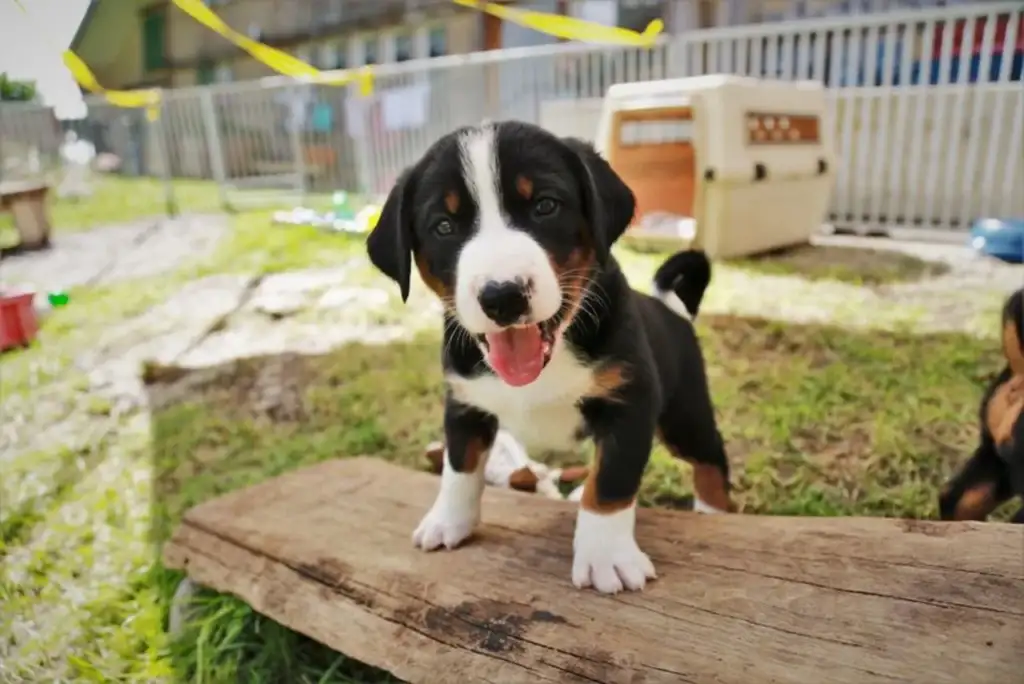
[438,42]
[154,31]
[223,73]
[205,72]
[326,56]
[332,15]
[370,50]
[637,14]
[333,56]
[403,47]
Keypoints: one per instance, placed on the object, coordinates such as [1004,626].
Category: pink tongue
[516,354]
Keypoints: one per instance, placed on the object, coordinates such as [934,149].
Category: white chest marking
[541,415]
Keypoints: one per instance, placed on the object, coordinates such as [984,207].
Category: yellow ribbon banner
[148,98]
[277,60]
[569,28]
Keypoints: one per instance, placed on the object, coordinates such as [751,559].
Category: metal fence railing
[927,108]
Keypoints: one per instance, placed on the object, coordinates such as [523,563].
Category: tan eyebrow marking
[451,201]
[525,186]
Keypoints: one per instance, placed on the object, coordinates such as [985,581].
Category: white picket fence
[927,105]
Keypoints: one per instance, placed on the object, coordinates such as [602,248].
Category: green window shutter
[205,72]
[153,33]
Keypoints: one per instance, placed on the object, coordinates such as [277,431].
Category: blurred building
[142,43]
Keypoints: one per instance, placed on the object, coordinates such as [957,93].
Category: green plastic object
[342,208]
[58,299]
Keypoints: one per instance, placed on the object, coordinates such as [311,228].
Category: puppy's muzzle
[506,302]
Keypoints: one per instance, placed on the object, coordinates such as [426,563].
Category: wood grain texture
[740,599]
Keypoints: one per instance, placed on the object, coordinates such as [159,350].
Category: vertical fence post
[214,147]
[298,123]
[362,142]
[163,152]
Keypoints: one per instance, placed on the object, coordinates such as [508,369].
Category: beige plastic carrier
[731,164]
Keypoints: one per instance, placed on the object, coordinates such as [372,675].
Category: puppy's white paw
[606,555]
[455,513]
[445,526]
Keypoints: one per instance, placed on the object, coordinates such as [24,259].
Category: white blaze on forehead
[497,251]
[480,172]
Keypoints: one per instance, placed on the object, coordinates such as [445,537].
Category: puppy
[512,227]
[995,473]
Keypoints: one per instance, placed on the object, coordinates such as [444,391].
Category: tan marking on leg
[590,501]
[708,482]
[475,450]
[711,487]
[977,503]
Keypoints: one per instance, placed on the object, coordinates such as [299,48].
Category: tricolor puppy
[995,473]
[511,226]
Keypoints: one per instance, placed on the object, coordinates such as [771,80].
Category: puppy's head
[1013,331]
[507,223]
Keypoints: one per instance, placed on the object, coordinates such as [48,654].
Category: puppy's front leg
[469,434]
[605,552]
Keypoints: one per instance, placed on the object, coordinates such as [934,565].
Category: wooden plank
[740,599]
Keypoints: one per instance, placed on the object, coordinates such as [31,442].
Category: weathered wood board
[740,599]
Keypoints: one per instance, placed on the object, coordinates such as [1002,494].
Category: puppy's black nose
[504,303]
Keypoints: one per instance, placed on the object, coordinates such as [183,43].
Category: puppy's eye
[545,207]
[444,228]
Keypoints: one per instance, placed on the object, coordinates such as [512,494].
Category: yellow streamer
[277,60]
[569,28]
[148,98]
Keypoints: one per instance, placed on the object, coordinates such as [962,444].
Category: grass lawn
[833,417]
[119,200]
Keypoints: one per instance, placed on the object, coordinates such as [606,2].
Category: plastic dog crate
[731,164]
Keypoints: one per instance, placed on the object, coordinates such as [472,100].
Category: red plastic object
[18,323]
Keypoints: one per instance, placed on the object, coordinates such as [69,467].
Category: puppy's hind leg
[688,430]
[980,486]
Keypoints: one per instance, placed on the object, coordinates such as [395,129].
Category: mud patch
[858,266]
[490,626]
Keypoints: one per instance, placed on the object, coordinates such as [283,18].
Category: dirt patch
[858,266]
[270,388]
[107,255]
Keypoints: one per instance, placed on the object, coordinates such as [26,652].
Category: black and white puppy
[512,227]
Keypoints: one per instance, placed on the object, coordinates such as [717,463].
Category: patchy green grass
[821,419]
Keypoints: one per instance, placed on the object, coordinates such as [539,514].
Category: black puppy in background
[995,473]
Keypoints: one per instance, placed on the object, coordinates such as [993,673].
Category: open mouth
[519,353]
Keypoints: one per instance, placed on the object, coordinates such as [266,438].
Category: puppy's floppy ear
[390,244]
[609,202]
